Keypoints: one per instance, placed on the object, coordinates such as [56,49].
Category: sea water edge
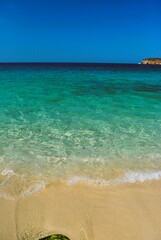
[98,123]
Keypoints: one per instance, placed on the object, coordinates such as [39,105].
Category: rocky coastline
[152,61]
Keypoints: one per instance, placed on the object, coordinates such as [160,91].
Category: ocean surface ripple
[99,123]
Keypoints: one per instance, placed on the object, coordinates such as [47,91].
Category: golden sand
[85,212]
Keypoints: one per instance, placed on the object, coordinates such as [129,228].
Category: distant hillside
[156,61]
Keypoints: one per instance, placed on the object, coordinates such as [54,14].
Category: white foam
[30,191]
[8,172]
[33,189]
[129,177]
[133,177]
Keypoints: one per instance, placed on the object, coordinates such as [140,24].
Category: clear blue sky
[79,30]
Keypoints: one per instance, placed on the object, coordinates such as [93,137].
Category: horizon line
[61,62]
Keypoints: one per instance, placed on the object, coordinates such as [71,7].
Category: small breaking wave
[34,189]
[129,177]
[14,186]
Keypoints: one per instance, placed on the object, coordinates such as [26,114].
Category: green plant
[56,237]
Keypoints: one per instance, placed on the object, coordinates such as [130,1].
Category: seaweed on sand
[56,237]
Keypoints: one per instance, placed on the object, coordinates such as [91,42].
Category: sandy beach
[85,212]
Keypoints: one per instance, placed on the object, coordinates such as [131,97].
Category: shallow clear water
[73,121]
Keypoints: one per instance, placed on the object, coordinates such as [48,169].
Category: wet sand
[85,212]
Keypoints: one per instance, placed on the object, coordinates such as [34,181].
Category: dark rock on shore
[56,237]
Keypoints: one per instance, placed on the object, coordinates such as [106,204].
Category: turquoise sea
[99,123]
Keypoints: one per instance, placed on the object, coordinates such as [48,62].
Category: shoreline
[14,186]
[85,212]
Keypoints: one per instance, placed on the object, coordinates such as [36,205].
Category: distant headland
[153,61]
